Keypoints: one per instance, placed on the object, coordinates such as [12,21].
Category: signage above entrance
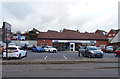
[74,41]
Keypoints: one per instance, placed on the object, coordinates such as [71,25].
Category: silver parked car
[109,49]
[90,51]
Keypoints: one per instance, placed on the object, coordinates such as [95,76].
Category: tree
[32,35]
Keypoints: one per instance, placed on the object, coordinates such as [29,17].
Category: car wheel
[26,54]
[116,55]
[19,56]
[89,56]
[82,54]
[39,51]
[49,51]
[33,51]
[78,53]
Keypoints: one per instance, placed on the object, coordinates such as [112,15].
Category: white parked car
[29,46]
[50,49]
[15,52]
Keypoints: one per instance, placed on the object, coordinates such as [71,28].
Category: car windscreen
[82,47]
[109,47]
[50,47]
[92,48]
[11,48]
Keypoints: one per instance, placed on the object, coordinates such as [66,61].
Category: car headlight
[102,52]
[92,52]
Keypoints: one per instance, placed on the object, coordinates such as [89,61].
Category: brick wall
[48,42]
[98,43]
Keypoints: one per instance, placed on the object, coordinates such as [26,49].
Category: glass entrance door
[72,46]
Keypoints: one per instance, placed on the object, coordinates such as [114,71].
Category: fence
[24,42]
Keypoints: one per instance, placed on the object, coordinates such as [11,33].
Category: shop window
[71,46]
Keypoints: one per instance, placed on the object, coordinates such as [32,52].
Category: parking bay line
[45,57]
[64,56]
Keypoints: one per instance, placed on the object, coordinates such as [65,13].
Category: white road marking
[45,57]
[64,56]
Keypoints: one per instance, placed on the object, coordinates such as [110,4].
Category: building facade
[70,40]
[112,33]
[116,40]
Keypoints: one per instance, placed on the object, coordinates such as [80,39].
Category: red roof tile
[71,35]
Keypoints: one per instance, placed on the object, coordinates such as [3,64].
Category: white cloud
[1,14]
[85,15]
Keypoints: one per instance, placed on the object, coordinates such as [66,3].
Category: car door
[22,51]
[39,48]
[86,52]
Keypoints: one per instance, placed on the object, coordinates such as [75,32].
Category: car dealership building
[70,40]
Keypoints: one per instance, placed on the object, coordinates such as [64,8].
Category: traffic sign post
[6,36]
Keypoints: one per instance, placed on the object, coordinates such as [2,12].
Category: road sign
[6,36]
[19,36]
[92,41]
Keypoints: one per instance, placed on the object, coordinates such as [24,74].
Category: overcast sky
[84,15]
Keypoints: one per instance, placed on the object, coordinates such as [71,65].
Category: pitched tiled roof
[100,31]
[70,35]
[112,30]
[116,31]
[51,31]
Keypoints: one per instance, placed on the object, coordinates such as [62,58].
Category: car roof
[49,46]
[14,46]
[91,46]
[37,46]
[11,43]
[109,46]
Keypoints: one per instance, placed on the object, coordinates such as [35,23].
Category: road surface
[62,70]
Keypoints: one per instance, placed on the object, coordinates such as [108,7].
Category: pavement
[62,70]
[20,62]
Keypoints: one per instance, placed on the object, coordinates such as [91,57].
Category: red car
[117,51]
